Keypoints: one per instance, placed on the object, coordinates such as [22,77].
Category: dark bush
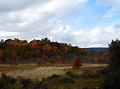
[6,82]
[85,88]
[111,81]
[89,74]
[57,79]
[54,76]
[41,85]
[53,80]
[102,72]
[25,82]
[70,74]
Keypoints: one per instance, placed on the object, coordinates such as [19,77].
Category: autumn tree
[34,45]
[58,57]
[47,48]
[36,49]
[76,63]
[97,59]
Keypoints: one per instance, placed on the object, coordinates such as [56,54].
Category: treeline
[22,51]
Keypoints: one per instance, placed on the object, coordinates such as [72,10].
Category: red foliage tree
[34,45]
[76,63]
[55,47]
[63,60]
[97,59]
[66,49]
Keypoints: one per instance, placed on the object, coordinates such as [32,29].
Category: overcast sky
[85,23]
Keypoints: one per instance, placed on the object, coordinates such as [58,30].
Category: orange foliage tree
[58,57]
[34,45]
[47,48]
[66,49]
[76,63]
[97,59]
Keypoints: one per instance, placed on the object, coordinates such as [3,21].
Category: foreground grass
[67,78]
[86,80]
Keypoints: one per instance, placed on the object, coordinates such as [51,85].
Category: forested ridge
[16,50]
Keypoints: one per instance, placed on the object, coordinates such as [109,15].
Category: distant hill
[97,49]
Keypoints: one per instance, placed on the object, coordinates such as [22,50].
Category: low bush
[89,74]
[7,82]
[111,81]
[70,74]
[25,82]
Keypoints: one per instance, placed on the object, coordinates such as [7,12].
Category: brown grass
[39,71]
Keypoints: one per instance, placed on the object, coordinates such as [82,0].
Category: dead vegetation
[38,72]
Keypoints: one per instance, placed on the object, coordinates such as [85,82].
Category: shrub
[7,82]
[89,74]
[111,81]
[25,82]
[70,74]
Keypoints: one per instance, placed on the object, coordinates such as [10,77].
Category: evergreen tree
[114,49]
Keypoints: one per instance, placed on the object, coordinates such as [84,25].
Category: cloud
[14,5]
[114,10]
[44,18]
[117,26]
[94,17]
[34,19]
[108,2]
[96,37]
[3,33]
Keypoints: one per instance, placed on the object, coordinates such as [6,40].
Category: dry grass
[5,68]
[34,71]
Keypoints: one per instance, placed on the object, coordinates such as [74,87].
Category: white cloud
[3,33]
[43,18]
[115,7]
[96,37]
[94,17]
[36,19]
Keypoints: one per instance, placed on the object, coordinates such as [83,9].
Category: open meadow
[34,71]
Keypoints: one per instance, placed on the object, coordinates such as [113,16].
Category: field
[34,71]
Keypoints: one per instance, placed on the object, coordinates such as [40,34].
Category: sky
[83,23]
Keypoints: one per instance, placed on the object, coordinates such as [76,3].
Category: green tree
[114,49]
